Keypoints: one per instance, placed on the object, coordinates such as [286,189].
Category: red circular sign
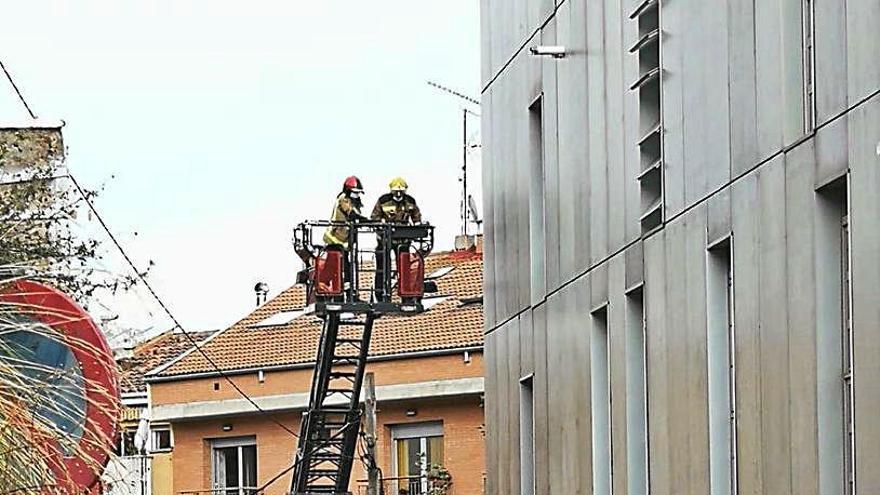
[39,303]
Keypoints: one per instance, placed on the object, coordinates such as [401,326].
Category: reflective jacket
[345,210]
[405,211]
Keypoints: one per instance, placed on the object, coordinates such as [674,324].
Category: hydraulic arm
[331,424]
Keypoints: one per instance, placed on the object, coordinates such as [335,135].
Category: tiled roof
[454,323]
[152,354]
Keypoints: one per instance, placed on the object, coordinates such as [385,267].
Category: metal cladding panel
[542,404]
[598,295]
[616,92]
[831,64]
[791,61]
[594,224]
[504,399]
[568,365]
[579,325]
[521,175]
[561,375]
[617,358]
[774,346]
[572,122]
[635,265]
[491,406]
[863,45]
[659,441]
[705,100]
[514,354]
[801,281]
[742,92]
[831,151]
[768,76]
[486,36]
[672,18]
[490,291]
[676,347]
[747,344]
[695,358]
[551,162]
[526,344]
[865,246]
[719,223]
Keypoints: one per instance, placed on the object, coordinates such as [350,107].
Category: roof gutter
[309,365]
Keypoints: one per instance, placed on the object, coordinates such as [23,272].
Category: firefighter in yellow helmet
[396,207]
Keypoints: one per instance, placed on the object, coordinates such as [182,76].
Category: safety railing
[376,262]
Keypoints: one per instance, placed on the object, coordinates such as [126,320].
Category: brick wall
[462,421]
[462,431]
[291,381]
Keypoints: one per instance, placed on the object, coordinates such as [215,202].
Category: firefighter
[347,209]
[396,207]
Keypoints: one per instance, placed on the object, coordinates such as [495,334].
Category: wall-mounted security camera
[548,51]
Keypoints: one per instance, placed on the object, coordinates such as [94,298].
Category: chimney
[464,242]
[262,290]
[479,243]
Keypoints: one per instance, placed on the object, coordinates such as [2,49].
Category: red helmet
[352,184]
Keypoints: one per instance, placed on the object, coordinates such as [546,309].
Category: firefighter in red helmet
[347,209]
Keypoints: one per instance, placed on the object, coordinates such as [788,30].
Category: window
[600,404]
[527,436]
[161,438]
[126,442]
[636,400]
[234,466]
[417,449]
[721,370]
[650,140]
[536,199]
[849,438]
[834,370]
[809,64]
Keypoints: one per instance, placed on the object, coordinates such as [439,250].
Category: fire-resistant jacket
[404,211]
[345,210]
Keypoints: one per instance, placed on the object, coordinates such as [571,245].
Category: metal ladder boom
[330,426]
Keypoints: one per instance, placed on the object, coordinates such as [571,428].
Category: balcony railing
[409,485]
[244,490]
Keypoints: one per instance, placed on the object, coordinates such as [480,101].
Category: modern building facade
[682,241]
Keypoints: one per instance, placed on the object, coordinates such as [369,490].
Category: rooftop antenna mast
[464,147]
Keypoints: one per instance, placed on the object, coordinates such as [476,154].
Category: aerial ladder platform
[350,287]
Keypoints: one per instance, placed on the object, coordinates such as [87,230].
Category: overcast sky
[218,125]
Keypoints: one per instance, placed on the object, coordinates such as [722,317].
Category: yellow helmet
[398,184]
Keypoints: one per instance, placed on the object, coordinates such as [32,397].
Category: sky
[215,126]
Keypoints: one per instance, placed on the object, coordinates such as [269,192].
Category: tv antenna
[464,147]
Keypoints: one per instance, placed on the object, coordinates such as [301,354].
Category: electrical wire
[168,312]
[17,91]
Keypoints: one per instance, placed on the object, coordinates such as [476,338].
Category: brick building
[429,383]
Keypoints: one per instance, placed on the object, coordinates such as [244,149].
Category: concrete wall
[738,163]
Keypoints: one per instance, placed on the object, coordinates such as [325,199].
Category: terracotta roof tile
[152,354]
[454,323]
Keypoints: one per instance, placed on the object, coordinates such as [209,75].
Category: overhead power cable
[168,312]
[17,91]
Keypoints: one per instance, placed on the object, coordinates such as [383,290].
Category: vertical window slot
[600,404]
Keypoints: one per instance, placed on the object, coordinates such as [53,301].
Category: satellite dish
[472,207]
